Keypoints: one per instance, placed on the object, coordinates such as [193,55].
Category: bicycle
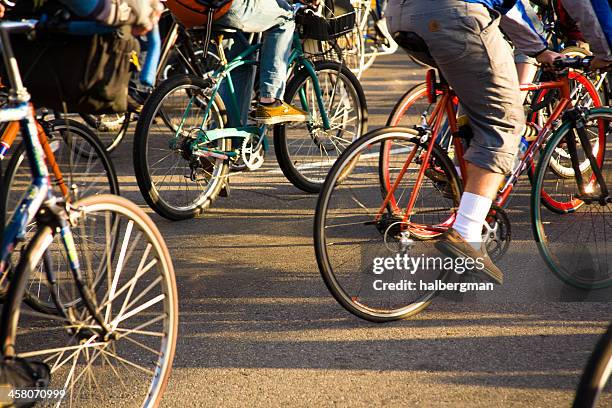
[596,373]
[412,198]
[119,313]
[182,149]
[87,170]
[560,42]
[415,103]
[374,38]
[181,53]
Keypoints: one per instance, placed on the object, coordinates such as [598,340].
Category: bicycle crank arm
[215,154]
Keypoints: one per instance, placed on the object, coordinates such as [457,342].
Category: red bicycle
[397,189]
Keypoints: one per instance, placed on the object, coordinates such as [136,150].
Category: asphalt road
[259,328]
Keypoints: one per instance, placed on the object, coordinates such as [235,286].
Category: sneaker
[452,244]
[279,112]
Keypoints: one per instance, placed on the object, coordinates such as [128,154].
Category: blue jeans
[274,18]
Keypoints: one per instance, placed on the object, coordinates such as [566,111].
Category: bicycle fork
[578,117]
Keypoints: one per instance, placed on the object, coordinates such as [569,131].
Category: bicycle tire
[14,173]
[596,373]
[336,179]
[287,159]
[169,321]
[166,205]
[561,258]
[116,129]
[408,99]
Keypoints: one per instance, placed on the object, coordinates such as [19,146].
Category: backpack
[193,13]
[98,73]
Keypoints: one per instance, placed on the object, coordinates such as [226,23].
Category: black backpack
[81,74]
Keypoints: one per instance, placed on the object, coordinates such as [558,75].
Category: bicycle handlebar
[581,63]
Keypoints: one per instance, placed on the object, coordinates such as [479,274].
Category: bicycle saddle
[415,46]
[221,29]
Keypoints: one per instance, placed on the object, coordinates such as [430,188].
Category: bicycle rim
[135,292]
[348,237]
[574,242]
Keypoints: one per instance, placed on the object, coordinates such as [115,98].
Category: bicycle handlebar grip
[573,62]
[149,70]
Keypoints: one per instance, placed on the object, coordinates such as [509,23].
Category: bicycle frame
[7,139]
[434,123]
[38,196]
[248,57]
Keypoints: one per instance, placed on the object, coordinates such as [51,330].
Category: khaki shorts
[470,51]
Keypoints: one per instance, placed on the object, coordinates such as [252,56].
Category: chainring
[496,233]
[252,153]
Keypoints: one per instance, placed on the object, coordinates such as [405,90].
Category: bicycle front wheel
[356,227]
[596,373]
[306,151]
[133,290]
[173,180]
[574,242]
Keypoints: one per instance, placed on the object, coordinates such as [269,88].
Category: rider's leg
[480,191]
[526,73]
[275,19]
[473,56]
[242,79]
[526,66]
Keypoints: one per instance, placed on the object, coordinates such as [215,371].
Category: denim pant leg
[242,79]
[274,18]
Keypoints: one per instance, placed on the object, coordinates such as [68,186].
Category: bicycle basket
[315,27]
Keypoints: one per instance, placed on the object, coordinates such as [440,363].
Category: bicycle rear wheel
[574,242]
[134,291]
[306,151]
[409,109]
[86,170]
[354,228]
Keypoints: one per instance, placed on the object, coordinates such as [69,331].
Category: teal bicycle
[183,149]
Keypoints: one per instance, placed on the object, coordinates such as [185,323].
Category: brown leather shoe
[452,244]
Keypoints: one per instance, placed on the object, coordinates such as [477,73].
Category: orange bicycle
[396,190]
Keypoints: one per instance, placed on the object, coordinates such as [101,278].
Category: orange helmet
[192,13]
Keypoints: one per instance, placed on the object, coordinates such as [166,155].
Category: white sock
[473,210]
